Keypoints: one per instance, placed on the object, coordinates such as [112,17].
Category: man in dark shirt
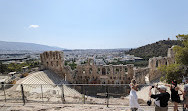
[161,100]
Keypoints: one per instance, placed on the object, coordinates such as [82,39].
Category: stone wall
[87,73]
[54,61]
[140,74]
[104,74]
[90,73]
[156,62]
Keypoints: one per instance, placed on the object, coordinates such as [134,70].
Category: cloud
[34,26]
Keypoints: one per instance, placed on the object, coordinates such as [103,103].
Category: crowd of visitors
[162,97]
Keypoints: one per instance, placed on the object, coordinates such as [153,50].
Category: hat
[162,87]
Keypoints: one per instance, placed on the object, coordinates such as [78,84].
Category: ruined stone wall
[140,74]
[156,62]
[87,73]
[54,61]
[90,73]
[104,74]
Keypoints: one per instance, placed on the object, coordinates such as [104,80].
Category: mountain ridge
[156,49]
[5,45]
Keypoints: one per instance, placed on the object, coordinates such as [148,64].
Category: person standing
[185,94]
[133,100]
[174,94]
[161,100]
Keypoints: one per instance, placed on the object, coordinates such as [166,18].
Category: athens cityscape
[93,55]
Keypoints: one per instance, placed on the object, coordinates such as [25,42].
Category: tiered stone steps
[48,80]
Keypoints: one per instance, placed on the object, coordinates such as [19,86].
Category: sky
[92,24]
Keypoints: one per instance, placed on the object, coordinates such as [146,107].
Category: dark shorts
[176,99]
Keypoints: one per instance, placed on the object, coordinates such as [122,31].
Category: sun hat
[162,87]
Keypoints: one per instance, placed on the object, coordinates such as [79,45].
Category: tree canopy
[178,70]
[181,52]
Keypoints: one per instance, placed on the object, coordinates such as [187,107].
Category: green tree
[179,69]
[181,53]
[73,66]
[171,72]
[3,68]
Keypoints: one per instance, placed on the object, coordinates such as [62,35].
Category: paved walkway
[69,107]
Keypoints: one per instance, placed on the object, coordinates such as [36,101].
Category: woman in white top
[133,100]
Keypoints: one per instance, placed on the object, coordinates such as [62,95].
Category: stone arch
[103,71]
[121,82]
[57,63]
[98,71]
[47,64]
[108,70]
[47,55]
[125,69]
[83,71]
[117,70]
[112,82]
[90,70]
[157,63]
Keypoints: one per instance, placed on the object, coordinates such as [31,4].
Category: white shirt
[157,103]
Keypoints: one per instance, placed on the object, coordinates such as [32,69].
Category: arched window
[83,71]
[157,64]
[103,71]
[125,69]
[117,71]
[47,63]
[90,70]
[98,71]
[57,63]
[108,71]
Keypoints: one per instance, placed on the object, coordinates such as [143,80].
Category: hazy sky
[86,24]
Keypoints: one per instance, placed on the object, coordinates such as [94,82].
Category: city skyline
[92,24]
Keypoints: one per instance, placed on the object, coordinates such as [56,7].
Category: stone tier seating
[48,80]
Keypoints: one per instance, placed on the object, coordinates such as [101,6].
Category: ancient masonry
[90,73]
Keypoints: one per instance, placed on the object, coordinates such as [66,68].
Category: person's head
[133,81]
[174,82]
[162,88]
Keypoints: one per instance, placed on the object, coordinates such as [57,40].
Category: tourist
[174,94]
[161,100]
[185,94]
[133,100]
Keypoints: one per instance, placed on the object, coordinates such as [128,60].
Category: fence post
[4,92]
[107,95]
[62,96]
[42,93]
[83,93]
[23,97]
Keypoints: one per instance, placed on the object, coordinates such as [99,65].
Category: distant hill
[21,46]
[159,48]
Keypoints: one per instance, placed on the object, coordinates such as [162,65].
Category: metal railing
[104,94]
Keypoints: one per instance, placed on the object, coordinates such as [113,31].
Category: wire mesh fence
[105,94]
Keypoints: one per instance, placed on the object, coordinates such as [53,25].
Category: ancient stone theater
[91,73]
